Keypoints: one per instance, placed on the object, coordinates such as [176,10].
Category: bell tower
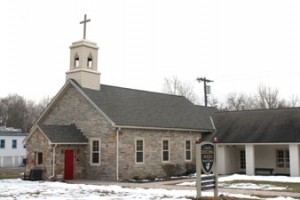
[84,62]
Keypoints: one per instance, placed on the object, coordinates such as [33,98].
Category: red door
[69,164]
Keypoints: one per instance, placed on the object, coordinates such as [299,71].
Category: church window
[242,159]
[95,151]
[165,151]
[282,158]
[188,150]
[90,61]
[76,61]
[139,151]
[38,158]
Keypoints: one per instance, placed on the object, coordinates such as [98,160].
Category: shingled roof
[129,107]
[68,134]
[258,126]
[11,133]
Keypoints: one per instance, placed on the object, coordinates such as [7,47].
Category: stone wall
[74,108]
[39,143]
[153,164]
[79,160]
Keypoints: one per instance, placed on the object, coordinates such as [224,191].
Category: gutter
[164,129]
[117,153]
[53,162]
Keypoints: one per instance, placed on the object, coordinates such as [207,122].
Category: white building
[259,141]
[12,151]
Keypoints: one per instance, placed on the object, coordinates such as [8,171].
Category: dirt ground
[7,172]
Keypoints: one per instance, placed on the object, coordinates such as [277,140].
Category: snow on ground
[235,177]
[251,186]
[285,179]
[11,189]
[19,189]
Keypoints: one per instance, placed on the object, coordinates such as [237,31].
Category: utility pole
[205,91]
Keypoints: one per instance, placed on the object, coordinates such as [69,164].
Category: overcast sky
[238,44]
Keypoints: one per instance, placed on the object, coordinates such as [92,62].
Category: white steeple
[84,62]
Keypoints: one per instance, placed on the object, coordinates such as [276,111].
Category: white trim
[240,159]
[37,158]
[91,140]
[284,158]
[162,128]
[256,144]
[33,130]
[68,83]
[54,99]
[135,150]
[162,150]
[212,123]
[66,143]
[91,102]
[185,150]
[117,153]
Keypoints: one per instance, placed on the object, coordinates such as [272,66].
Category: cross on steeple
[84,25]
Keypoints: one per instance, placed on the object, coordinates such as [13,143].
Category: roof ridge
[259,110]
[139,90]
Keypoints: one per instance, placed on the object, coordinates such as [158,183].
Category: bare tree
[293,101]
[14,111]
[177,87]
[235,101]
[17,112]
[266,98]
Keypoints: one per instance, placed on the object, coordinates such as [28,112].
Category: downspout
[117,154]
[53,162]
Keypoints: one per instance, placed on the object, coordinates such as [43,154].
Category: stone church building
[97,131]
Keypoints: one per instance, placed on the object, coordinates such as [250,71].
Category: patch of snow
[252,186]
[285,179]
[18,189]
[280,198]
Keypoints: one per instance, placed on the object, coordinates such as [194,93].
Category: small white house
[12,151]
[259,141]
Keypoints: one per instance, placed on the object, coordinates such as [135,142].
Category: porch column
[250,159]
[294,159]
[221,159]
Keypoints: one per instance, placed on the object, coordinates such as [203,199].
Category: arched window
[76,61]
[90,61]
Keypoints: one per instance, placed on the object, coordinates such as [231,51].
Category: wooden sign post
[206,162]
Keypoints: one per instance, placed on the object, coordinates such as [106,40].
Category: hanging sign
[207,157]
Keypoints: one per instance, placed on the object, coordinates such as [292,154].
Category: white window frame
[286,159]
[91,151]
[162,151]
[37,158]
[136,150]
[186,150]
[242,159]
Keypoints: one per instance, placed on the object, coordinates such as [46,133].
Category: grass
[10,176]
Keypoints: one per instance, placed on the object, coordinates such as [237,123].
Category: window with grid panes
[165,148]
[282,158]
[188,150]
[139,151]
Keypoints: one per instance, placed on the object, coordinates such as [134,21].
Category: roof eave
[91,102]
[164,128]
[67,143]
